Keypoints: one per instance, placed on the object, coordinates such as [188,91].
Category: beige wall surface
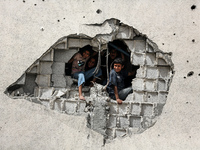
[29,28]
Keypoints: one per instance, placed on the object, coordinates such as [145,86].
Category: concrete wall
[29,28]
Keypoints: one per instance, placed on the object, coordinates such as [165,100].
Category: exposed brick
[120,133]
[135,109]
[164,72]
[162,96]
[64,55]
[151,72]
[125,32]
[70,107]
[45,68]
[123,108]
[139,46]
[113,108]
[138,96]
[150,85]
[141,72]
[58,68]
[152,97]
[138,59]
[138,84]
[124,122]
[58,80]
[112,121]
[130,44]
[135,122]
[162,85]
[147,110]
[57,105]
[48,56]
[43,80]
[75,42]
[61,45]
[150,59]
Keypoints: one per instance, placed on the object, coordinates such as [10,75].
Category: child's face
[118,67]
[91,63]
[113,54]
[86,54]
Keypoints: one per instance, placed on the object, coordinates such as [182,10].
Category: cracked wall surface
[45,82]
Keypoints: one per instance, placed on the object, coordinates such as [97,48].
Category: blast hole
[193,7]
[190,73]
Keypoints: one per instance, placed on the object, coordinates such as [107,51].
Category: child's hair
[118,61]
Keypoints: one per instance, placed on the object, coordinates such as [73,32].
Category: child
[89,70]
[116,88]
[78,65]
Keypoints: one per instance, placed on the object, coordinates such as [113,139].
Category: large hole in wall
[48,81]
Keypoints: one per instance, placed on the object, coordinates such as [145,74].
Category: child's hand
[119,101]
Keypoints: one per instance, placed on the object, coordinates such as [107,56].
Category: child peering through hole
[112,56]
[116,87]
[78,69]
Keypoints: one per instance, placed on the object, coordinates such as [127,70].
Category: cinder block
[161,62]
[138,58]
[61,46]
[135,109]
[124,108]
[135,122]
[152,97]
[48,56]
[58,80]
[139,46]
[70,107]
[120,133]
[150,85]
[110,133]
[58,68]
[43,80]
[138,96]
[141,72]
[130,44]
[34,69]
[113,108]
[81,108]
[150,59]
[138,84]
[30,84]
[57,105]
[64,55]
[151,72]
[150,49]
[45,68]
[162,86]
[124,122]
[147,110]
[75,42]
[164,72]
[45,93]
[162,97]
[125,32]
[112,121]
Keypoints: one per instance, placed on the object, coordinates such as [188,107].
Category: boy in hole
[116,87]
[78,66]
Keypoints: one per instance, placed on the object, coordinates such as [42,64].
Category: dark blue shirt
[116,79]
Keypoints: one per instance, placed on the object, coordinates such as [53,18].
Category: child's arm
[119,101]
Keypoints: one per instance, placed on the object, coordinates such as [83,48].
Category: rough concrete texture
[34,26]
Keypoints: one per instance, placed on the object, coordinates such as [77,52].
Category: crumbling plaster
[23,41]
